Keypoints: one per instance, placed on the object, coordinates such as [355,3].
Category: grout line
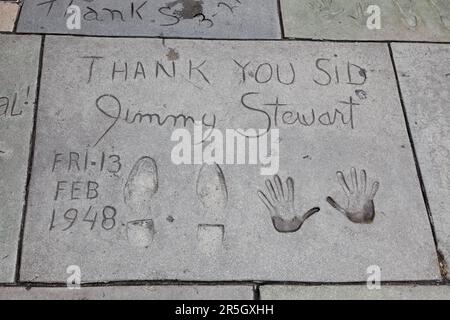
[285,39]
[280,19]
[416,161]
[255,284]
[256,293]
[30,163]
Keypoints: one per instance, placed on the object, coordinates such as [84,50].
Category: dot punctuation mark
[28,95]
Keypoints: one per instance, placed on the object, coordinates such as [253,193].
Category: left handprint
[280,203]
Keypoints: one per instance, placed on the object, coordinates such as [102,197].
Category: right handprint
[408,13]
[360,207]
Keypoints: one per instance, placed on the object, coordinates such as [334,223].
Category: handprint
[326,9]
[406,8]
[360,207]
[443,8]
[280,203]
[359,15]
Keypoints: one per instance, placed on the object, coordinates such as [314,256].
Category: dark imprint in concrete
[360,207]
[280,203]
[190,9]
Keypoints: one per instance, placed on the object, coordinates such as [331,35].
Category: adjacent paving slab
[424,79]
[406,292]
[423,20]
[108,196]
[130,293]
[165,18]
[8,14]
[18,75]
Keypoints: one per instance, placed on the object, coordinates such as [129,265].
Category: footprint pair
[142,185]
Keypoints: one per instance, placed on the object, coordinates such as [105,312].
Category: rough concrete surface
[130,293]
[423,73]
[8,14]
[19,60]
[419,20]
[165,18]
[117,205]
[357,292]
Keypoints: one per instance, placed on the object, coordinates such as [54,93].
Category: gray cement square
[19,62]
[419,20]
[356,292]
[228,19]
[108,193]
[423,74]
[179,292]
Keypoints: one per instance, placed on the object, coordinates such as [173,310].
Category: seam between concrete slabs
[280,20]
[284,39]
[386,42]
[16,23]
[30,161]
[140,283]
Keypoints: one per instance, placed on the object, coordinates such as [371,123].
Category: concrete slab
[423,74]
[404,292]
[419,20]
[8,14]
[19,59]
[228,19]
[179,292]
[117,205]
